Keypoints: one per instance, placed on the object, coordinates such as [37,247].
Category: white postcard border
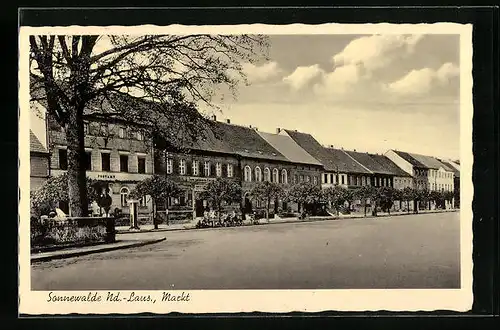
[220,301]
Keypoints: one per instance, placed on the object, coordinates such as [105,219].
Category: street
[410,251]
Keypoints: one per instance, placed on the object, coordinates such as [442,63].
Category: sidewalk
[130,242]
[191,225]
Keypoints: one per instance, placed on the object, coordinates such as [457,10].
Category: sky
[365,92]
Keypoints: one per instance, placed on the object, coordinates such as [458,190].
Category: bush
[51,232]
[344,210]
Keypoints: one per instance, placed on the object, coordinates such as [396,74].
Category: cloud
[259,73]
[341,80]
[377,51]
[302,76]
[423,81]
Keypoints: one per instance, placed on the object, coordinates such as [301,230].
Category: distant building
[455,167]
[338,168]
[428,172]
[39,162]
[239,153]
[384,173]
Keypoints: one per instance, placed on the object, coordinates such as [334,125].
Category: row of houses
[124,157]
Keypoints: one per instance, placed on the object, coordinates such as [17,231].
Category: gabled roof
[289,148]
[308,143]
[378,164]
[368,162]
[389,165]
[406,156]
[430,162]
[344,162]
[235,139]
[36,145]
[452,168]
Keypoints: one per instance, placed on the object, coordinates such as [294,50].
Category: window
[206,169]
[195,167]
[284,177]
[324,178]
[295,178]
[229,170]
[170,165]
[315,180]
[123,163]
[182,167]
[267,174]
[248,174]
[358,181]
[218,169]
[258,174]
[86,128]
[121,132]
[308,178]
[343,179]
[363,181]
[143,201]
[141,165]
[124,191]
[379,182]
[276,176]
[88,161]
[333,178]
[105,161]
[139,136]
[63,159]
[301,178]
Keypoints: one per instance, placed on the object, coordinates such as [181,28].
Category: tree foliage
[221,190]
[267,191]
[337,196]
[304,193]
[156,186]
[386,197]
[155,80]
[55,190]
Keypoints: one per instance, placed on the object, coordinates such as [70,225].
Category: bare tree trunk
[77,187]
[267,208]
[166,212]
[155,219]
[365,207]
[218,211]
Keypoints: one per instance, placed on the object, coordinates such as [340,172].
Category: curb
[82,253]
[286,222]
[151,230]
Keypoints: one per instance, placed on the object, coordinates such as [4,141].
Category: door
[199,208]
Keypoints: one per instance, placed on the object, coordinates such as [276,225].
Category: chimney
[278,130]
[256,128]
[213,117]
[250,126]
[228,121]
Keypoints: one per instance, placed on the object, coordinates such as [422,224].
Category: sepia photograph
[166,163]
